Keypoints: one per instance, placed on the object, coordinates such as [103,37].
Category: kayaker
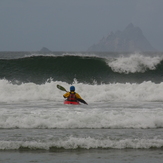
[72,95]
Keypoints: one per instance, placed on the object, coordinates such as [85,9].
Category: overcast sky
[75,25]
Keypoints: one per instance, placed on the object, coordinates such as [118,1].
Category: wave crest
[134,63]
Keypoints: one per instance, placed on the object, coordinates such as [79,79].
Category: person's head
[72,88]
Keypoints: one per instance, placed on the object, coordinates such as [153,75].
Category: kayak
[71,102]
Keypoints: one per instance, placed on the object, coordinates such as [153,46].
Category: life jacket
[72,97]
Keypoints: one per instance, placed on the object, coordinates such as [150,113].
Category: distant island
[131,39]
[44,49]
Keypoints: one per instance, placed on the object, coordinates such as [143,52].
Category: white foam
[146,91]
[110,106]
[134,63]
[51,115]
[62,55]
[84,143]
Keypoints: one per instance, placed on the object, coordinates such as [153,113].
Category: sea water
[121,123]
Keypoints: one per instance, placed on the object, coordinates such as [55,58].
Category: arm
[77,96]
[80,99]
[66,94]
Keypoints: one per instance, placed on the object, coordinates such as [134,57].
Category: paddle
[63,89]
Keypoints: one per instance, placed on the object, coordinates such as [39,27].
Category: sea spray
[134,63]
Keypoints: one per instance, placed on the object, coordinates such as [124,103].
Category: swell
[38,69]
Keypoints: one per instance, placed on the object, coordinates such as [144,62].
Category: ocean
[122,123]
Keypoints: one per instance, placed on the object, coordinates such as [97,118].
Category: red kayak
[71,102]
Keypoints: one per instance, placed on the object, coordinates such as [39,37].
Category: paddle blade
[81,100]
[61,88]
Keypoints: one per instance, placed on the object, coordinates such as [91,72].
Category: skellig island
[131,39]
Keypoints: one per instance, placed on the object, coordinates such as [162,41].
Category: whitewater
[122,121]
